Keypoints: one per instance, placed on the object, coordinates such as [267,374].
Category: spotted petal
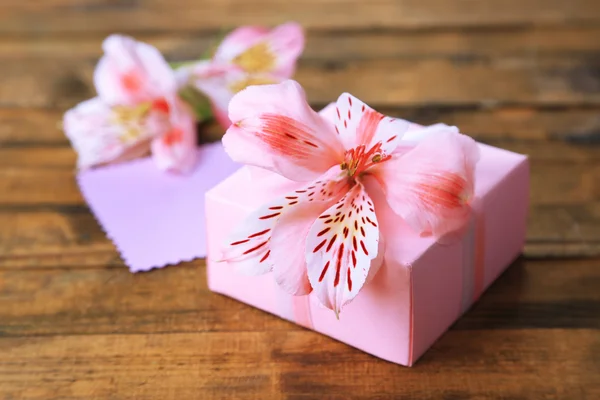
[358,124]
[131,72]
[431,186]
[274,128]
[340,248]
[268,238]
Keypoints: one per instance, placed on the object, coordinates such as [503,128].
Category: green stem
[199,103]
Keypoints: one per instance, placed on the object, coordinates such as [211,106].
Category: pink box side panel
[438,280]
[506,222]
[437,292]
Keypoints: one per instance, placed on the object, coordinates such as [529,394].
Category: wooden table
[518,74]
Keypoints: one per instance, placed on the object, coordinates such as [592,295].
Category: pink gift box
[423,286]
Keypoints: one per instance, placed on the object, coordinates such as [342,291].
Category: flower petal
[131,72]
[274,128]
[340,248]
[286,41]
[358,124]
[259,51]
[431,186]
[103,134]
[418,133]
[262,240]
[328,112]
[238,41]
[175,150]
[287,253]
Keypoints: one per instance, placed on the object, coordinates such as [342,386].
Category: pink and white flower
[324,236]
[249,55]
[137,110]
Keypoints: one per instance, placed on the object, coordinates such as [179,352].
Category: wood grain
[461,45]
[384,82]
[537,65]
[68,17]
[573,125]
[81,301]
[551,183]
[34,237]
[282,366]
[61,155]
[99,333]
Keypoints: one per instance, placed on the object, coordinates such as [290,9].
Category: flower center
[258,58]
[130,119]
[358,160]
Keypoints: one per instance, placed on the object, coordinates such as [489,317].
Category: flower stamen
[358,160]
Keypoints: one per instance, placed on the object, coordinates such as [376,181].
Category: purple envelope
[155,218]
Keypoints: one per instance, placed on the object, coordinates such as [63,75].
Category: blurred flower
[247,56]
[137,110]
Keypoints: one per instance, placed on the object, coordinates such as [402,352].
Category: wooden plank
[67,236]
[38,157]
[563,231]
[38,185]
[58,236]
[41,127]
[57,186]
[425,82]
[384,82]
[30,125]
[460,45]
[557,363]
[532,294]
[64,17]
[63,156]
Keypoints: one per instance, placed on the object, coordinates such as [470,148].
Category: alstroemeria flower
[247,56]
[325,235]
[137,110]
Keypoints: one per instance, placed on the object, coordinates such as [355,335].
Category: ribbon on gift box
[473,245]
[295,309]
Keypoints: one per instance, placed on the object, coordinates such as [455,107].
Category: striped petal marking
[340,247]
[360,126]
[248,248]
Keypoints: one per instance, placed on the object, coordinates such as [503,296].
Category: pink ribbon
[473,259]
[297,310]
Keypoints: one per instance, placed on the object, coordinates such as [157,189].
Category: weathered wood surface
[72,17]
[522,75]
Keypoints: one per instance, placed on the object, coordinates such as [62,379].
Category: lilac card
[155,218]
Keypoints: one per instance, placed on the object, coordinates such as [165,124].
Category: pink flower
[137,110]
[247,56]
[325,235]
